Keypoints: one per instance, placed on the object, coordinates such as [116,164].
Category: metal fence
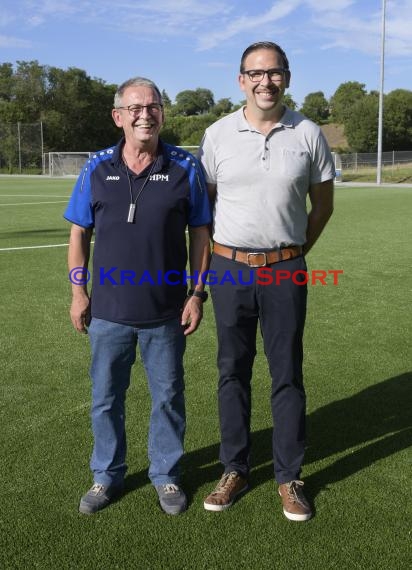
[22,151]
[21,148]
[363,166]
[358,160]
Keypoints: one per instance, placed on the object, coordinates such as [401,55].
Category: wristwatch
[203,295]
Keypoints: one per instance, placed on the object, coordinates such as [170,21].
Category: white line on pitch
[34,195]
[35,203]
[35,246]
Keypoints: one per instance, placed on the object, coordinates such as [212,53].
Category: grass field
[359,387]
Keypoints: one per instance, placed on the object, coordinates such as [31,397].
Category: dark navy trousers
[243,297]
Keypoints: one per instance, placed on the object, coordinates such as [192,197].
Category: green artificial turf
[358,379]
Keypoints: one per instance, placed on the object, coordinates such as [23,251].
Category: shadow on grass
[366,427]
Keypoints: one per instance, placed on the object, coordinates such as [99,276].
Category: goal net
[64,163]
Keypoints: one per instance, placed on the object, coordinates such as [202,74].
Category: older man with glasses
[261,163]
[138,197]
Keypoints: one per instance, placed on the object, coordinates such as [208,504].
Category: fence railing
[21,148]
[365,159]
[22,152]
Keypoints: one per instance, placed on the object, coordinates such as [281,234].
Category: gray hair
[134,81]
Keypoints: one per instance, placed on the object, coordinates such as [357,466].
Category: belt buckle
[249,253]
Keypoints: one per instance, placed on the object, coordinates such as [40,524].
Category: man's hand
[321,198]
[78,258]
[80,313]
[192,314]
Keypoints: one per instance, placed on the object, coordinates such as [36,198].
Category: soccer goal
[338,166]
[64,163]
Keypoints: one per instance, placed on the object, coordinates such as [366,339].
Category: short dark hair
[264,45]
[135,81]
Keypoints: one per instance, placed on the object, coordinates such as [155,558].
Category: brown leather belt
[258,258]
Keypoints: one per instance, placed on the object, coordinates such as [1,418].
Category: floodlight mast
[380,121]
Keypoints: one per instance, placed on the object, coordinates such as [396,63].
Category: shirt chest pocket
[294,164]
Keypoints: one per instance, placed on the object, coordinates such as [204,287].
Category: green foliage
[81,106]
[341,103]
[167,102]
[361,121]
[195,102]
[316,107]
[9,148]
[6,81]
[397,120]
[289,102]
[76,111]
[29,90]
[222,107]
[186,131]
[362,128]
[74,108]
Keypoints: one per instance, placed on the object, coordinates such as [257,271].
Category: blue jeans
[113,355]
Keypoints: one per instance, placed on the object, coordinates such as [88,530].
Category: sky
[185,44]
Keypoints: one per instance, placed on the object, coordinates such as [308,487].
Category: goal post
[338,166]
[64,163]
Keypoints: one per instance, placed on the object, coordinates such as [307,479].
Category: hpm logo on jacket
[159,177]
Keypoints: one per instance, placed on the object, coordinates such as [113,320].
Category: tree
[239,105]
[186,131]
[31,88]
[289,102]
[9,145]
[22,91]
[205,98]
[167,102]
[362,128]
[346,95]
[101,131]
[186,103]
[77,115]
[196,102]
[222,107]
[6,81]
[22,96]
[68,98]
[397,120]
[316,107]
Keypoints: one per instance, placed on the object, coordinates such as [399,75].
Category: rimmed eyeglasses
[275,74]
[135,110]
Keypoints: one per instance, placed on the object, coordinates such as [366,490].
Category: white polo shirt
[263,180]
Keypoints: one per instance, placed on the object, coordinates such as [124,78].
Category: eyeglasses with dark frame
[135,110]
[275,74]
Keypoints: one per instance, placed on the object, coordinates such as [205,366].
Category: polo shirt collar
[161,160]
[286,120]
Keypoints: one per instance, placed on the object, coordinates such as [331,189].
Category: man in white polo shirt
[261,162]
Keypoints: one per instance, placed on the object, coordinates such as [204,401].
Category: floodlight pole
[19,144]
[42,148]
[380,122]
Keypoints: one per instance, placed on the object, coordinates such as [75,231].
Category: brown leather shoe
[295,505]
[229,487]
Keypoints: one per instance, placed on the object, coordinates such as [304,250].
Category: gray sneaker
[98,497]
[172,499]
